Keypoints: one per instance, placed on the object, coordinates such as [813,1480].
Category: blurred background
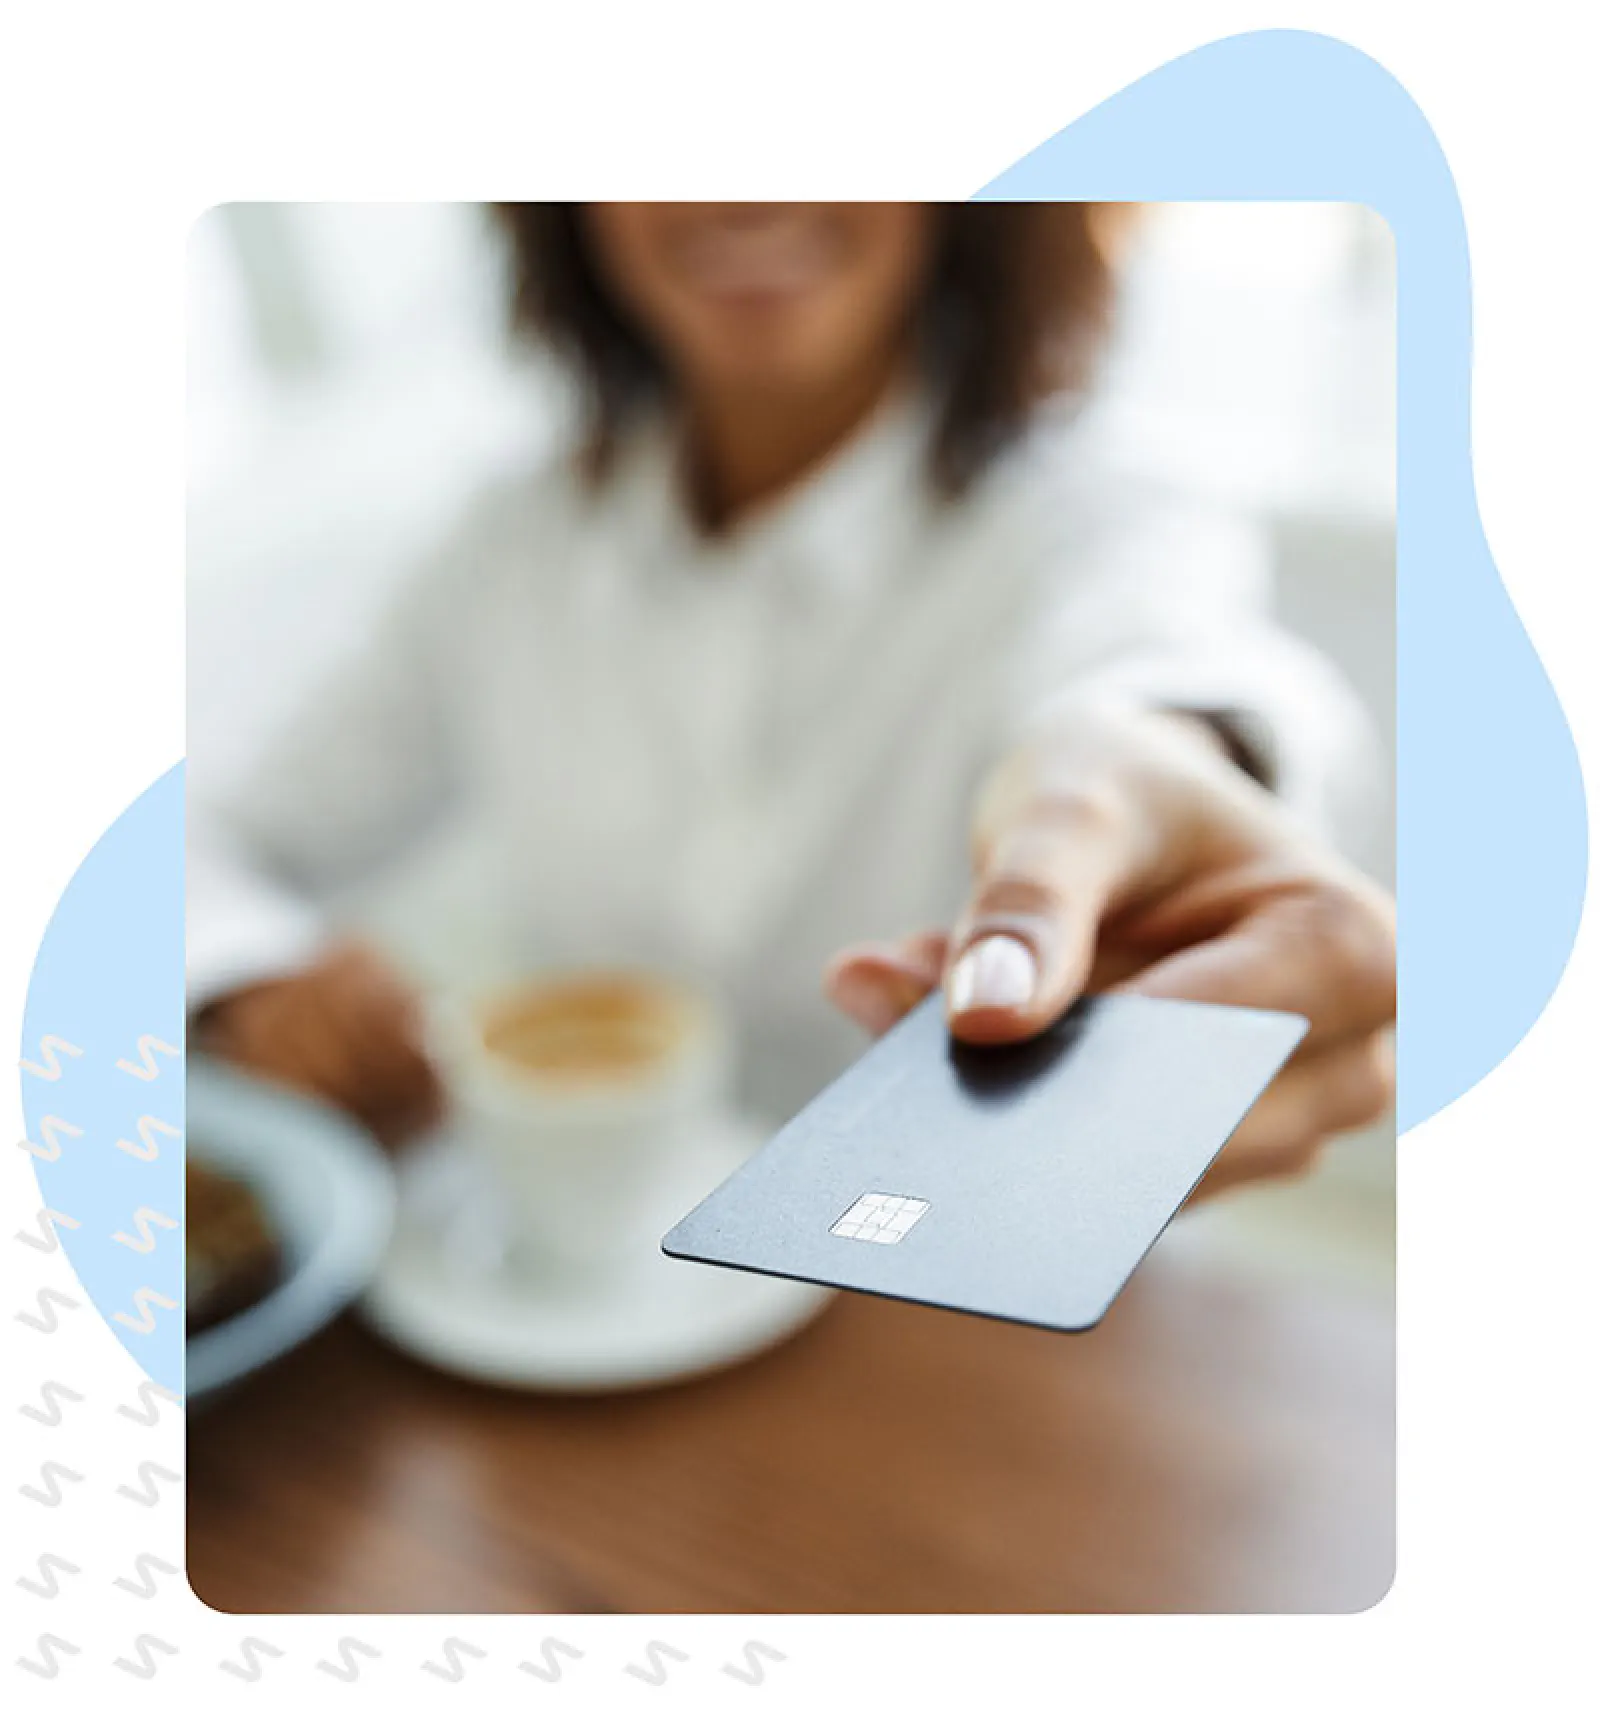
[350,385]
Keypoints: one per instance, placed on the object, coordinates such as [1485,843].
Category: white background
[118,125]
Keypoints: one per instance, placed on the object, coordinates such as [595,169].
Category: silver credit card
[1025,1182]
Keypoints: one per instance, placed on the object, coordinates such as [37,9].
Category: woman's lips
[765,260]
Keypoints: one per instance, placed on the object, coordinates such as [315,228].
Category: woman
[842,640]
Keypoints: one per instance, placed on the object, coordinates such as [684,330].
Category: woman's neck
[745,450]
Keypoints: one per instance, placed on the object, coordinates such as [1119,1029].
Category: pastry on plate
[232,1255]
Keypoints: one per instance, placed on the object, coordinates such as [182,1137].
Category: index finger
[1023,948]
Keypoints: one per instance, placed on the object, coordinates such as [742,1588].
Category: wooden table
[1220,1443]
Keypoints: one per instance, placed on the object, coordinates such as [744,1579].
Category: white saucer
[652,1320]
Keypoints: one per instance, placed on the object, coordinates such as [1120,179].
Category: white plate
[328,1194]
[444,1293]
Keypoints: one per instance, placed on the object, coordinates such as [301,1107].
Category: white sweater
[729,756]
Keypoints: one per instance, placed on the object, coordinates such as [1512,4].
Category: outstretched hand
[1127,852]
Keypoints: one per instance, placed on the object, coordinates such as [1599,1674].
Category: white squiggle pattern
[148,1473]
[50,1221]
[149,1127]
[50,1128]
[654,1653]
[347,1668]
[453,1649]
[548,1669]
[53,1394]
[49,1301]
[52,1474]
[144,1300]
[145,1668]
[251,1650]
[48,1667]
[753,1674]
[147,1070]
[50,1069]
[150,1395]
[145,1585]
[49,1566]
[144,1219]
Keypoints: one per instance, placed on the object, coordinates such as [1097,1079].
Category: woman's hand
[346,1029]
[1124,851]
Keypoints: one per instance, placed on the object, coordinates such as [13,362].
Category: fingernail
[995,974]
[862,999]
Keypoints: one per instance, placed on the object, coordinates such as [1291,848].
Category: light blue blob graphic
[110,973]
[1492,825]
[1492,829]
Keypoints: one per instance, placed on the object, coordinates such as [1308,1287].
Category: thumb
[1023,949]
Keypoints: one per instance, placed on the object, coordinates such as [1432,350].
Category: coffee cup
[586,1096]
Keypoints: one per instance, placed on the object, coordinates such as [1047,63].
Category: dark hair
[1013,310]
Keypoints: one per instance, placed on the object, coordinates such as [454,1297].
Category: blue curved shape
[109,973]
[1492,825]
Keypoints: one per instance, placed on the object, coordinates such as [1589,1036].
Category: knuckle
[1076,807]
[1048,811]
[1012,892]
[1372,1083]
[1303,1158]
[1293,1155]
[1056,855]
[1350,935]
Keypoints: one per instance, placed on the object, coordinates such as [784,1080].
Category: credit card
[1024,1182]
